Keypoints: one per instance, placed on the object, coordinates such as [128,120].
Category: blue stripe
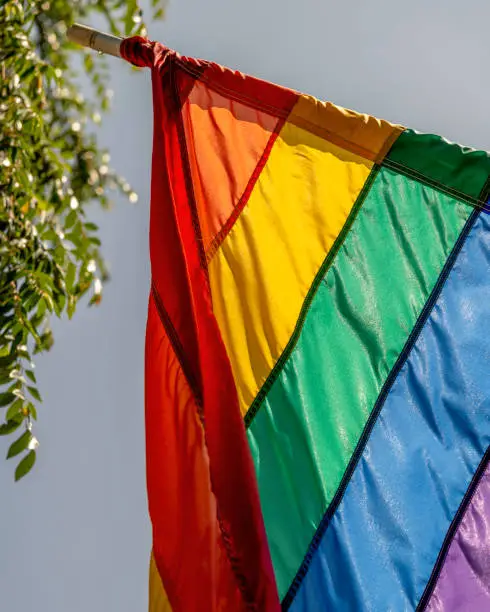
[383,541]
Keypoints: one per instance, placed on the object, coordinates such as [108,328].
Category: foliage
[50,170]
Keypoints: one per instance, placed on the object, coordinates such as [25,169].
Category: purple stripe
[464,581]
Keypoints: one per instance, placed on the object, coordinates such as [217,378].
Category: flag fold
[317,390]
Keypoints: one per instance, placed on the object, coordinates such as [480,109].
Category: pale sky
[75,534]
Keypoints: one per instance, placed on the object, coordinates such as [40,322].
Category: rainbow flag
[317,356]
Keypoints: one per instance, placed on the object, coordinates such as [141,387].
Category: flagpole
[99,41]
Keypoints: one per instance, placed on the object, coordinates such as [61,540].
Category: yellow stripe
[158,601]
[261,274]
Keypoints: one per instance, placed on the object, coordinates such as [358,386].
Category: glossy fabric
[263,269]
[209,540]
[379,549]
[297,249]
[225,142]
[311,419]
[457,170]
[464,581]
[363,135]
[181,503]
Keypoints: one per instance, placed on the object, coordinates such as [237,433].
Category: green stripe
[459,171]
[309,422]
[327,262]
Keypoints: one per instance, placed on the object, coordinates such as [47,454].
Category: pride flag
[317,357]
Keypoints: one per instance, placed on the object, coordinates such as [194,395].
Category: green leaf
[6,399]
[72,304]
[27,72]
[32,410]
[5,377]
[74,237]
[60,302]
[71,219]
[17,340]
[19,445]
[35,393]
[48,301]
[70,275]
[25,465]
[49,175]
[41,309]
[7,360]
[14,410]
[9,427]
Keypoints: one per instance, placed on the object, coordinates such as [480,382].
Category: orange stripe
[363,135]
[225,141]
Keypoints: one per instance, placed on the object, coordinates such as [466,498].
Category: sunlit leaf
[35,393]
[14,410]
[31,410]
[19,445]
[51,169]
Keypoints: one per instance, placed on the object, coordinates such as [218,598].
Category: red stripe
[255,93]
[188,548]
[180,280]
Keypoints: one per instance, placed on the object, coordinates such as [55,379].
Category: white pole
[99,41]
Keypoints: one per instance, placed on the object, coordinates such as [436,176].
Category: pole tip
[94,39]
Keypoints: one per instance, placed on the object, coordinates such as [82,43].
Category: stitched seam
[186,370]
[348,145]
[233,559]
[478,203]
[363,440]
[452,531]
[234,562]
[226,538]
[295,119]
[176,344]
[327,262]
[344,143]
[484,195]
[188,178]
[224,231]
[238,97]
[388,143]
